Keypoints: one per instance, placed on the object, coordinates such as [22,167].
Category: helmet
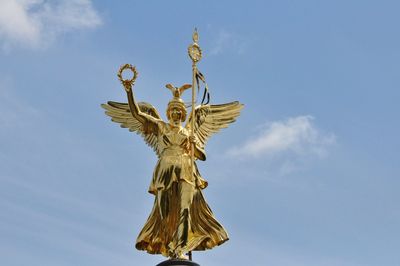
[176,101]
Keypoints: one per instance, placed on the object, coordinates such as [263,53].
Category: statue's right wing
[120,113]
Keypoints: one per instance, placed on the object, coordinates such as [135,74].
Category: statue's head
[176,110]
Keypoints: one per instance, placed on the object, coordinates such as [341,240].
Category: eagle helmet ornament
[177,101]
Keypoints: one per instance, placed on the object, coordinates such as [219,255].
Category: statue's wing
[120,113]
[209,119]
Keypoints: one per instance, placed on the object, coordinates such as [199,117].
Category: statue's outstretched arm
[133,106]
[139,117]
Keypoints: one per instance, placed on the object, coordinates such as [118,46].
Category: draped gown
[180,220]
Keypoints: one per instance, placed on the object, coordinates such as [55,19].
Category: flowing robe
[180,220]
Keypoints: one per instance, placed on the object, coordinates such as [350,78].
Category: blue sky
[308,175]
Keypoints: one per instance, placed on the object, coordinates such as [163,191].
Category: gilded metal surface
[194,49]
[181,220]
[128,82]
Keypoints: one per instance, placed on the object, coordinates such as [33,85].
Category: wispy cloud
[296,135]
[286,146]
[228,41]
[36,23]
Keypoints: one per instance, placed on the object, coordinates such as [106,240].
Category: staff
[194,54]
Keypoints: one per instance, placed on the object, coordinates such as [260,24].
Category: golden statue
[181,220]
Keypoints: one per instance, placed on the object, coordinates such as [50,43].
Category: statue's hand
[191,143]
[192,139]
[127,85]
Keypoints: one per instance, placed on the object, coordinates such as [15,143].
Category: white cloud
[296,135]
[36,23]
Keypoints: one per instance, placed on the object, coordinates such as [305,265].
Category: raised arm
[139,117]
[133,106]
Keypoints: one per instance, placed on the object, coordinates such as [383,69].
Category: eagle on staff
[181,220]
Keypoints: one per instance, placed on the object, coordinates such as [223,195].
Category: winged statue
[181,220]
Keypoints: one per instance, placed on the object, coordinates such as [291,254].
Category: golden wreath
[131,68]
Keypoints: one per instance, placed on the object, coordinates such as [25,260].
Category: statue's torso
[174,163]
[173,142]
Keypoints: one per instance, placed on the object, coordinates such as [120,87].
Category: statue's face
[175,114]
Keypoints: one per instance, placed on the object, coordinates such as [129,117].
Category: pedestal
[175,262]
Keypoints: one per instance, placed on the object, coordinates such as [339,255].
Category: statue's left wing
[120,113]
[209,119]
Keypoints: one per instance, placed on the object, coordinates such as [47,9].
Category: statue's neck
[175,125]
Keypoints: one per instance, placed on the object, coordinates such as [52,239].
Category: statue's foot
[179,256]
[182,257]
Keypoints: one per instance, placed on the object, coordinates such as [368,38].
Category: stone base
[176,262]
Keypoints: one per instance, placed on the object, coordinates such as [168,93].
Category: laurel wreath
[131,68]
